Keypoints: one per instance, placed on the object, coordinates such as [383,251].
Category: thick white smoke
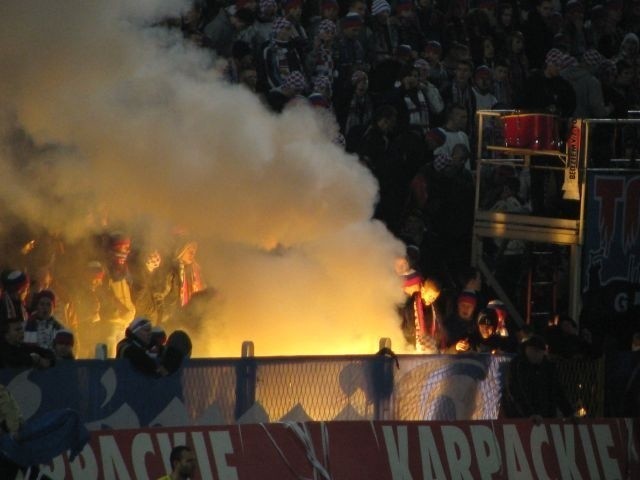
[132,117]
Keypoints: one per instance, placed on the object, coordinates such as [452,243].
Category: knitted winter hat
[412,279]
[433,46]
[441,162]
[318,100]
[482,72]
[380,6]
[554,57]
[404,5]
[568,61]
[321,83]
[592,58]
[469,297]
[266,4]
[327,4]
[404,50]
[421,64]
[352,20]
[327,26]
[15,281]
[288,5]
[574,6]
[488,316]
[138,324]
[437,136]
[295,81]
[500,308]
[280,24]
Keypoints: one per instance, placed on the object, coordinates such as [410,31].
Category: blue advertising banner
[611,262]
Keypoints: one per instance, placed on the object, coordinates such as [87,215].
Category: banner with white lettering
[604,449]
[571,187]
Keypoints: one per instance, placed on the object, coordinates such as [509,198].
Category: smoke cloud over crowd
[102,112]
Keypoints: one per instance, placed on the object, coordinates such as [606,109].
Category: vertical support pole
[245,380]
[382,367]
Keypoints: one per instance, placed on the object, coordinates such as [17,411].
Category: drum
[537,131]
[545,132]
[517,130]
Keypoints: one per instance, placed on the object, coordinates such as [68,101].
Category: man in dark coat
[532,387]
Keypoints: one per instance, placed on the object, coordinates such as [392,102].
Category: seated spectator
[532,388]
[14,353]
[42,326]
[63,345]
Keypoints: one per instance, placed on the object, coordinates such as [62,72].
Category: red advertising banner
[602,449]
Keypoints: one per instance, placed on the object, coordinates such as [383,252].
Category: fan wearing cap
[319,61]
[459,92]
[482,83]
[411,102]
[538,35]
[359,112]
[279,58]
[460,325]
[588,90]
[350,51]
[267,11]
[384,34]
[436,104]
[228,26]
[532,388]
[63,345]
[432,53]
[292,10]
[136,347]
[486,338]
[546,91]
[42,326]
[409,32]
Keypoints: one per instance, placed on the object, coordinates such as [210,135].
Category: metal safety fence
[109,394]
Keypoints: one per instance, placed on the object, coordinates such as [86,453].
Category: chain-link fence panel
[209,388]
[583,380]
[322,388]
[445,387]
